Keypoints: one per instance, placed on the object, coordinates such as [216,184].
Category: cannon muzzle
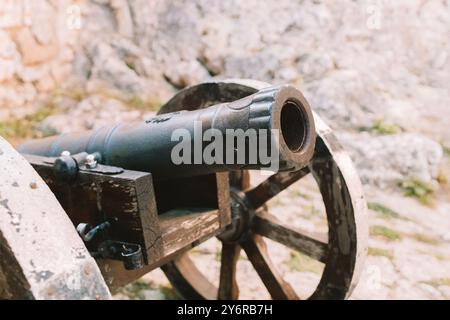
[273,128]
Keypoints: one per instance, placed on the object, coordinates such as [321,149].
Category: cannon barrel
[148,145]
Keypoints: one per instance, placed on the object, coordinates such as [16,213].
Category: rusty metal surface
[42,256]
[344,248]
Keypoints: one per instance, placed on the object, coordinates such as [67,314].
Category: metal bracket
[100,168]
[67,166]
[129,253]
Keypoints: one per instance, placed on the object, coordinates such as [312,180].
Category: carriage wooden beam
[127,201]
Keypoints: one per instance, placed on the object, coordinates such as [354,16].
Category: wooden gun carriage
[70,208]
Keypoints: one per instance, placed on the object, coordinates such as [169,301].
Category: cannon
[147,145]
[118,198]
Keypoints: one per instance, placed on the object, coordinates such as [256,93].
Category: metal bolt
[65,153]
[91,163]
[235,208]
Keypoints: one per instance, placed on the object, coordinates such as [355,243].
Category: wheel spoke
[274,185]
[228,288]
[256,251]
[313,245]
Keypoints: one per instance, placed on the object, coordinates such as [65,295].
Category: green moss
[437,282]
[425,239]
[383,211]
[137,103]
[380,253]
[442,177]
[131,101]
[294,193]
[77,94]
[385,232]
[417,189]
[302,263]
[218,256]
[26,126]
[130,65]
[446,149]
[14,129]
[169,292]
[243,257]
[199,251]
[439,256]
[134,289]
[380,126]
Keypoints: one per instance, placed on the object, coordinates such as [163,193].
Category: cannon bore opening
[293,126]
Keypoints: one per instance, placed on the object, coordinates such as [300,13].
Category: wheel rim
[41,254]
[344,251]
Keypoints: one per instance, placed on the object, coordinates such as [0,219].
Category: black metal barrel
[149,145]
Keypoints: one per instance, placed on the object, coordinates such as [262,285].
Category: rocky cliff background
[377,71]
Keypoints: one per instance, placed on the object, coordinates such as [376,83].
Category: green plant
[218,256]
[130,65]
[425,238]
[437,282]
[417,189]
[379,126]
[77,94]
[446,149]
[132,101]
[385,232]
[134,289]
[372,251]
[169,292]
[383,211]
[442,177]
[137,103]
[302,263]
[26,127]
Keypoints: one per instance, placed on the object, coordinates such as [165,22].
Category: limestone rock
[9,57]
[91,113]
[43,22]
[109,68]
[16,100]
[386,160]
[33,52]
[185,74]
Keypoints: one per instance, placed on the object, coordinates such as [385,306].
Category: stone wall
[394,55]
[37,43]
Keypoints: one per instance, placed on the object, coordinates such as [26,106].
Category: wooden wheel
[41,254]
[342,250]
